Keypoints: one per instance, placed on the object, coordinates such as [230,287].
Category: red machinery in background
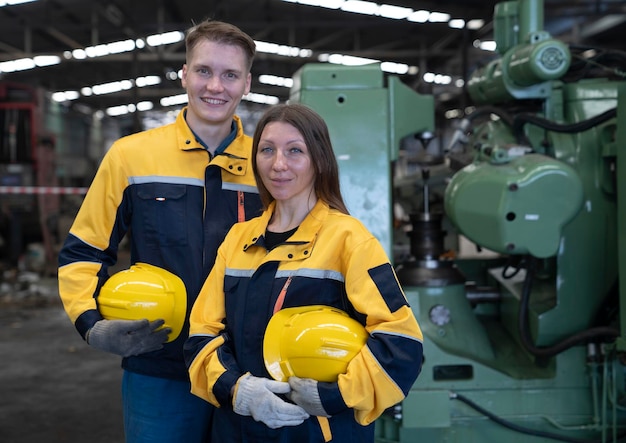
[27,166]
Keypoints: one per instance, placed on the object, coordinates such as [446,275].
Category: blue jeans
[159,410]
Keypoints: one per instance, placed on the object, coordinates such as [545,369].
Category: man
[177,189]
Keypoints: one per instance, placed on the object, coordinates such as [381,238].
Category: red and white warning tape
[41,190]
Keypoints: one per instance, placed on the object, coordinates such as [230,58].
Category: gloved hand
[127,337]
[256,397]
[305,394]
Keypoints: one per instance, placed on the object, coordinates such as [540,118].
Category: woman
[303,250]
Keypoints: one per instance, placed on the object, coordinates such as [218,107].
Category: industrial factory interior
[479,141]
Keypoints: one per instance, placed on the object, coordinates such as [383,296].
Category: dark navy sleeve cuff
[223,386]
[86,320]
[331,398]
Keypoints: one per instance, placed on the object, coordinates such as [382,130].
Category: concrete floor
[53,387]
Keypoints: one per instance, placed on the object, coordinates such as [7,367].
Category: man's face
[215,77]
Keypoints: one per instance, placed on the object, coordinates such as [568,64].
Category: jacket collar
[187,139]
[236,157]
[301,244]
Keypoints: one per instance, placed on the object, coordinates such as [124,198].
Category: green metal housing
[367,117]
[496,205]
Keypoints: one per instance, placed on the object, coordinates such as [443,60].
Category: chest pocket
[163,214]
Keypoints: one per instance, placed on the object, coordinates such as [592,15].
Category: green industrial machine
[366,119]
[525,344]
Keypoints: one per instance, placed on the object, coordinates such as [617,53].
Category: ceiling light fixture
[438,17]
[275,80]
[284,50]
[330,4]
[381,10]
[394,12]
[457,23]
[22,64]
[166,38]
[475,24]
[420,16]
[64,96]
[360,7]
[485,45]
[14,2]
[107,88]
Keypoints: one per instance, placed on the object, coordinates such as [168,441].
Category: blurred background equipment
[31,205]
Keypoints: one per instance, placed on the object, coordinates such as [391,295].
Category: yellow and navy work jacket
[177,202]
[333,260]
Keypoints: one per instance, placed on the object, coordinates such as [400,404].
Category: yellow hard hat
[145,291]
[314,342]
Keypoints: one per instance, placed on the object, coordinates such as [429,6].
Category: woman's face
[284,163]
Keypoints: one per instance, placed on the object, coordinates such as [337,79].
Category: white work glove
[305,394]
[127,337]
[256,397]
